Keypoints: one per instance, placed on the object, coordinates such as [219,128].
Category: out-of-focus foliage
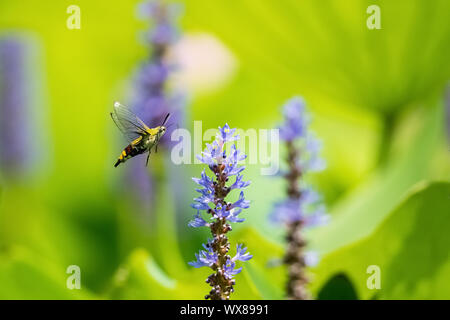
[141,277]
[410,247]
[376,96]
[26,275]
[325,47]
[369,204]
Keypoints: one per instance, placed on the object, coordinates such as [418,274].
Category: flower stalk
[294,256]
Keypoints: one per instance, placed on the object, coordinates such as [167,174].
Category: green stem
[387,134]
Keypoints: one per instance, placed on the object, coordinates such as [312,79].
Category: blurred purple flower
[296,119]
[312,162]
[303,206]
[14,141]
[304,156]
[311,258]
[164,32]
[151,99]
[296,210]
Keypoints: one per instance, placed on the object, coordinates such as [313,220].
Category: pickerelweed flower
[303,206]
[14,144]
[152,99]
[213,191]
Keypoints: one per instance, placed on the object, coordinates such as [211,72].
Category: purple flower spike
[212,201]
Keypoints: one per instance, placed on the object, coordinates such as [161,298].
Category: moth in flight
[141,137]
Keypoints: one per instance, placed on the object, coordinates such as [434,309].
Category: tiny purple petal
[198,221]
[296,120]
[312,258]
[233,215]
[241,254]
[241,202]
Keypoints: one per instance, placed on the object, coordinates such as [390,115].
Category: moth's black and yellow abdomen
[127,153]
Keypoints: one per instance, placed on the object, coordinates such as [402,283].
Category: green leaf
[339,287]
[27,275]
[324,48]
[166,244]
[141,278]
[267,281]
[360,212]
[410,247]
[263,284]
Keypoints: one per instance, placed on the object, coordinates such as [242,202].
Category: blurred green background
[378,102]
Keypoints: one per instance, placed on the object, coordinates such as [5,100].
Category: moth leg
[148,156]
[156,148]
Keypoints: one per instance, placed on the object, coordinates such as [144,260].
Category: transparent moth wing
[128,123]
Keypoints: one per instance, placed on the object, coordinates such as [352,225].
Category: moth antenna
[165,119]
